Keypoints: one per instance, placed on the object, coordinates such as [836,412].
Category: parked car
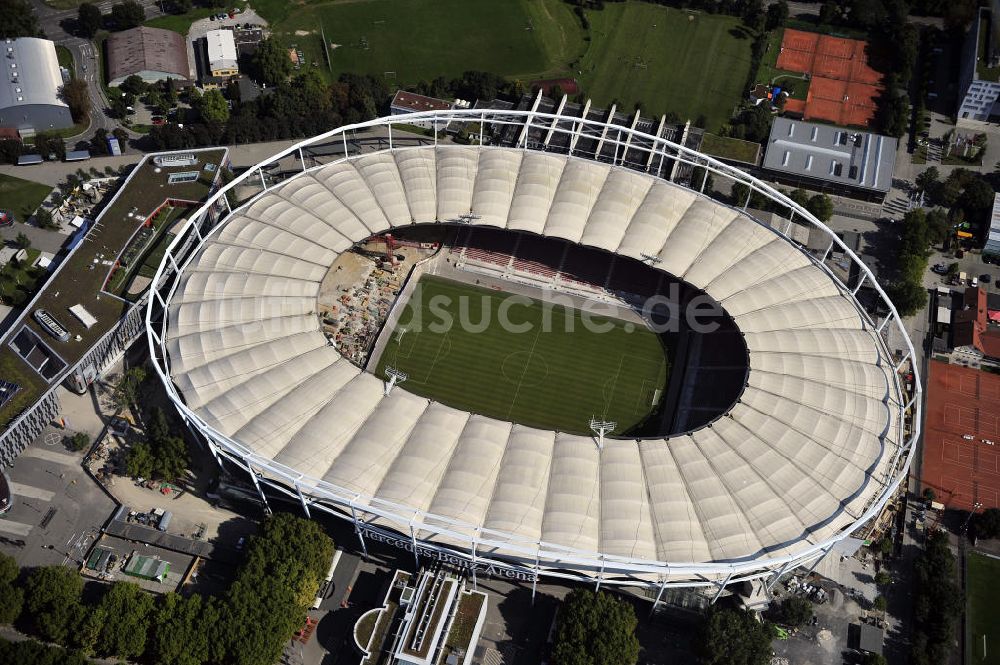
[986,278]
[940,268]
[213,17]
[6,218]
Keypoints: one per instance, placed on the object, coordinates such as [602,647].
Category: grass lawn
[667,60]
[554,376]
[769,72]
[18,282]
[730,148]
[423,39]
[21,197]
[982,588]
[65,57]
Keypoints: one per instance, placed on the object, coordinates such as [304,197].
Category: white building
[979,77]
[222,58]
[29,90]
[992,247]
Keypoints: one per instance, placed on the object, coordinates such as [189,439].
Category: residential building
[830,159]
[149,53]
[221,51]
[972,330]
[979,73]
[410,102]
[29,90]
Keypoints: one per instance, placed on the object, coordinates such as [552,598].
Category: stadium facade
[819,440]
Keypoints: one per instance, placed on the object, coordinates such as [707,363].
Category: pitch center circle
[526,368]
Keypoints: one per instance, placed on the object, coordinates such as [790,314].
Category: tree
[595,629]
[11,595]
[129,610]
[43,218]
[883,579]
[271,62]
[134,85]
[17,19]
[880,603]
[928,179]
[77,97]
[128,14]
[988,523]
[90,19]
[182,629]
[733,637]
[52,596]
[22,241]
[213,107]
[794,611]
[139,460]
[78,441]
[930,494]
[829,12]
[127,387]
[777,14]
[821,206]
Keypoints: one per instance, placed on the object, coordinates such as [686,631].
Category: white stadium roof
[810,446]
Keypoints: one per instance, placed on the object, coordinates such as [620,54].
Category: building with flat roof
[979,73]
[29,90]
[831,159]
[151,54]
[992,246]
[222,58]
[427,618]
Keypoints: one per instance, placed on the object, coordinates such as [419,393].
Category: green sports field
[982,588]
[667,60]
[423,39]
[553,376]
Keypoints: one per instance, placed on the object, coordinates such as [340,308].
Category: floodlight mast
[601,428]
[395,376]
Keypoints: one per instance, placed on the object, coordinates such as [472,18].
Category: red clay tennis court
[961,458]
[844,86]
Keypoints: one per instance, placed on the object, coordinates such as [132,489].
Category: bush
[77,442]
[794,611]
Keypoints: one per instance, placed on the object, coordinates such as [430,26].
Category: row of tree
[248,625]
[937,602]
[124,15]
[303,106]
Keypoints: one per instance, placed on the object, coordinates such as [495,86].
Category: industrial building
[831,159]
[29,91]
[149,53]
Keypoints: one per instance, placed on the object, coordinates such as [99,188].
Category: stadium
[648,455]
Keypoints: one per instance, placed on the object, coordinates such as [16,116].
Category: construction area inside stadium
[283,327]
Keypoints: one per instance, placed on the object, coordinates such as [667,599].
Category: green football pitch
[555,372]
[666,59]
[982,588]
